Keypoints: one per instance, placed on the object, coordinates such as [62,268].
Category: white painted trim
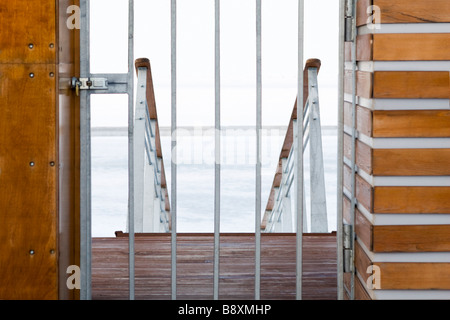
[406,28]
[404,294]
[411,181]
[401,143]
[371,66]
[413,257]
[400,104]
[411,294]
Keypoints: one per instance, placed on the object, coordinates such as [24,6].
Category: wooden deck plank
[195,267]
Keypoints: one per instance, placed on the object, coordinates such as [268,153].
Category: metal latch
[88,84]
[348,248]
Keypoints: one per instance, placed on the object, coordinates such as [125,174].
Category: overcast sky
[195,57]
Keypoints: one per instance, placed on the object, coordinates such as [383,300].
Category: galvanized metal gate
[123,83]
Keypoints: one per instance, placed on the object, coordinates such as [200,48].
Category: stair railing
[278,216]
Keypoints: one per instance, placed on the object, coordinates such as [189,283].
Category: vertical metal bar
[130,91]
[353,155]
[217,147]
[173,167]
[299,155]
[319,219]
[258,153]
[340,153]
[85,158]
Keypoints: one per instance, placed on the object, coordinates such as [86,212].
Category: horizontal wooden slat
[406,11]
[412,200]
[411,162]
[411,123]
[426,238]
[411,84]
[363,118]
[364,83]
[414,276]
[399,238]
[403,275]
[404,47]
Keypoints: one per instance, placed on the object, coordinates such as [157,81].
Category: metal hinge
[348,248]
[88,84]
[349,30]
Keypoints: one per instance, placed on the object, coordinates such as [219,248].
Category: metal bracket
[348,250]
[88,84]
[349,31]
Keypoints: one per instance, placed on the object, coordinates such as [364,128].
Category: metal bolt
[31,252]
[51,45]
[52,251]
[52,163]
[31,46]
[31,164]
[51,74]
[31,75]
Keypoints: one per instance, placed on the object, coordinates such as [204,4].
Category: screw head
[31,75]
[31,46]
[52,251]
[31,164]
[51,74]
[31,252]
[51,45]
[52,163]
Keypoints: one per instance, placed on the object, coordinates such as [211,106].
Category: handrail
[152,206]
[279,199]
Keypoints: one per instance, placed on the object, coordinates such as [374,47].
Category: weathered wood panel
[364,191]
[68,149]
[411,162]
[405,47]
[363,153]
[28,182]
[364,51]
[22,25]
[363,118]
[411,123]
[364,83]
[363,12]
[412,200]
[195,266]
[420,238]
[411,84]
[363,227]
[406,11]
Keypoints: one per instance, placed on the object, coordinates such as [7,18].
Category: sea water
[195,178]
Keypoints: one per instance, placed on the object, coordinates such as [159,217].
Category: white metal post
[258,153]
[299,154]
[217,150]
[173,59]
[340,153]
